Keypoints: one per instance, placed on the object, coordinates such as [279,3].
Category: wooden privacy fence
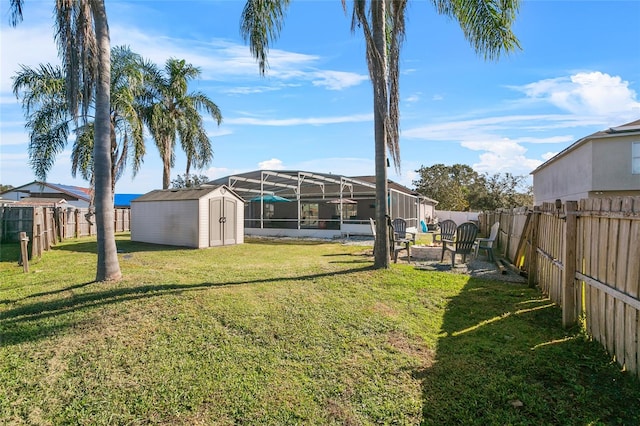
[45,226]
[586,257]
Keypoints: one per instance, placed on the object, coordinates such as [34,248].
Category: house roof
[631,128]
[182,194]
[76,192]
[124,200]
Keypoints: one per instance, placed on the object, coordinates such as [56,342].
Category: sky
[577,72]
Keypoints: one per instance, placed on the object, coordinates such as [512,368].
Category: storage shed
[205,216]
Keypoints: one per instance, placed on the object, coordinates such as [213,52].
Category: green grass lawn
[281,333]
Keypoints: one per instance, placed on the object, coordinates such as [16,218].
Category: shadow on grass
[48,293]
[23,323]
[504,358]
[273,241]
[123,246]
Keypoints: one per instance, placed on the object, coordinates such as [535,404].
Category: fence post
[44,231]
[24,256]
[507,244]
[569,296]
[77,224]
[533,248]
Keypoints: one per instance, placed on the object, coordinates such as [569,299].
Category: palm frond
[16,12]
[82,152]
[75,37]
[396,33]
[486,24]
[261,23]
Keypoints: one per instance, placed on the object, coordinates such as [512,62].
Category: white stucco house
[204,216]
[604,164]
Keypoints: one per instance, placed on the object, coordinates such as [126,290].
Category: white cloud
[24,45]
[492,162]
[250,90]
[588,93]
[337,80]
[14,138]
[492,136]
[501,155]
[221,60]
[548,155]
[493,128]
[218,131]
[588,99]
[273,164]
[543,140]
[413,98]
[16,159]
[314,121]
[218,172]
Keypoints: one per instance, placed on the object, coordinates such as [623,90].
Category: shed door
[229,224]
[222,221]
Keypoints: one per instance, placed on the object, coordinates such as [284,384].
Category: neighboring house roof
[76,192]
[181,194]
[124,200]
[625,129]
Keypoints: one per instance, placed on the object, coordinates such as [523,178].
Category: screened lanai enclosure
[309,204]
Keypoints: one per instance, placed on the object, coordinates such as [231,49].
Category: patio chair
[463,243]
[487,243]
[447,231]
[401,230]
[399,238]
[396,244]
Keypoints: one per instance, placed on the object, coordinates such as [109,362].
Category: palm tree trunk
[114,144]
[166,167]
[108,267]
[380,107]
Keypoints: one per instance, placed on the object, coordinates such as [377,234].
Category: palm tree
[485,24]
[82,34]
[173,113]
[43,93]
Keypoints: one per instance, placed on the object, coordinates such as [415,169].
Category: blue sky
[578,72]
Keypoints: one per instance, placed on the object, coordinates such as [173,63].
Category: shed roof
[181,194]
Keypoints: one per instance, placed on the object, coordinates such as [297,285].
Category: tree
[4,188]
[506,191]
[172,113]
[449,185]
[44,100]
[460,188]
[486,25]
[82,34]
[189,181]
